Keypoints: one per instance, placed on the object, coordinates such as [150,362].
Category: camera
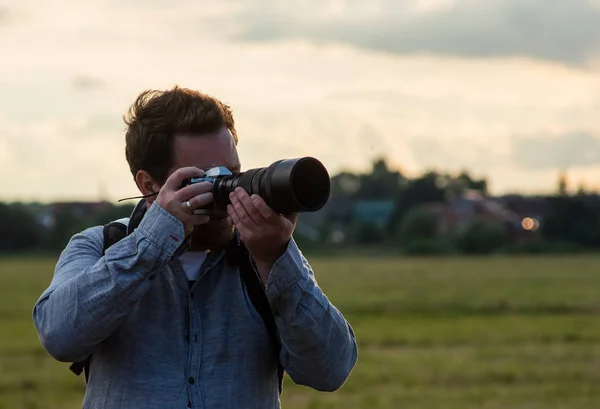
[287,185]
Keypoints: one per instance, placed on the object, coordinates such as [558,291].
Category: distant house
[377,212]
[340,213]
[526,206]
[459,213]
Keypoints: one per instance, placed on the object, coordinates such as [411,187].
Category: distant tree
[418,224]
[469,183]
[483,237]
[19,230]
[111,213]
[572,220]
[380,183]
[429,188]
[456,185]
[562,184]
[418,232]
[345,184]
[66,223]
[368,233]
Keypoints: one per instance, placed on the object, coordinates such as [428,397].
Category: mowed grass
[488,333]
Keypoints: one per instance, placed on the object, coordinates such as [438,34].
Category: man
[163,315]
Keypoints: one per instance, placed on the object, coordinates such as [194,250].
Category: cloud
[3,15]
[51,164]
[455,154]
[341,104]
[575,149]
[88,83]
[563,30]
[336,139]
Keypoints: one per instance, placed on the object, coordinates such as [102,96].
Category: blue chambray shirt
[156,343]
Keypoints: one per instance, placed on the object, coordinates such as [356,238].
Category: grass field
[433,333]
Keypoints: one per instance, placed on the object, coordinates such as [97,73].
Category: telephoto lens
[287,186]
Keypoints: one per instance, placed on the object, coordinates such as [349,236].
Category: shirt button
[151,277]
[191,380]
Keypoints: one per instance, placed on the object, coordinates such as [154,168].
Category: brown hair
[156,117]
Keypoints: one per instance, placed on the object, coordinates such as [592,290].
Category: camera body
[287,186]
[210,175]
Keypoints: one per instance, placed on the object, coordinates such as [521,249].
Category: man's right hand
[175,200]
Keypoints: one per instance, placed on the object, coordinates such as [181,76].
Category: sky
[507,89]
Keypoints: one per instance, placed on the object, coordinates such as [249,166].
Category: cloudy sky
[509,89]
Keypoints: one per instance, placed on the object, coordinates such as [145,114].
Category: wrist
[264,263]
[264,270]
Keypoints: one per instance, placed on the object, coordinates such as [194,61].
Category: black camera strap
[258,297]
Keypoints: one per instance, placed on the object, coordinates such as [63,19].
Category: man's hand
[264,232]
[175,200]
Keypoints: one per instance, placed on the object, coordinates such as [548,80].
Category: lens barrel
[287,186]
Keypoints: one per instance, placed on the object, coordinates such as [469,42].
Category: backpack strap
[112,233]
[258,297]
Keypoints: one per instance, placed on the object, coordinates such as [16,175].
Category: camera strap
[258,297]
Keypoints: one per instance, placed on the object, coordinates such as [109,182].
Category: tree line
[561,222]
[413,223]
[35,227]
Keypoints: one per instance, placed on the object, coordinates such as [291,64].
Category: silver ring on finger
[189,206]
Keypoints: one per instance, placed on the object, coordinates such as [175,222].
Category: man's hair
[156,117]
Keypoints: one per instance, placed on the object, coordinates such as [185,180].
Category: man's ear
[146,184]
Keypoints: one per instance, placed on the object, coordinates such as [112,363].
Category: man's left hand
[265,233]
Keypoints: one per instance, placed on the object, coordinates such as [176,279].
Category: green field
[433,333]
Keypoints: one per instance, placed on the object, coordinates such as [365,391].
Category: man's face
[207,151]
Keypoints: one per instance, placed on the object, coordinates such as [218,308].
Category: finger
[241,212]
[174,181]
[200,200]
[293,217]
[199,220]
[196,220]
[241,227]
[249,206]
[192,190]
[262,207]
[233,215]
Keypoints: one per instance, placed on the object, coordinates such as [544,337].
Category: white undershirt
[191,262]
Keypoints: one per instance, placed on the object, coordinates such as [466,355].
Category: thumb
[292,217]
